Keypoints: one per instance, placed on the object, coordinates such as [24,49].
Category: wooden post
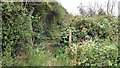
[74,48]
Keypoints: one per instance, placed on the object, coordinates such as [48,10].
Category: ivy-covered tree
[16,30]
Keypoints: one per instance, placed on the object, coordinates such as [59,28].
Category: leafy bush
[100,27]
[101,49]
[37,58]
[98,52]
[43,58]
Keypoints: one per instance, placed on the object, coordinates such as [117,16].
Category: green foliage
[100,27]
[99,52]
[15,30]
[48,30]
[7,60]
[101,46]
[36,58]
[63,59]
[43,58]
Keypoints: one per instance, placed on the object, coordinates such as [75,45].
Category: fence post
[74,48]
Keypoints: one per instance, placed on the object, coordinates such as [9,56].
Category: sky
[71,5]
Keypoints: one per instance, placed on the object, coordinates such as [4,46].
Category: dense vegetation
[37,34]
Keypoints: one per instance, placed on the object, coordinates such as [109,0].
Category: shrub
[100,53]
[41,58]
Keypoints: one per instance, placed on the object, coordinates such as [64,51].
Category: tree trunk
[29,39]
